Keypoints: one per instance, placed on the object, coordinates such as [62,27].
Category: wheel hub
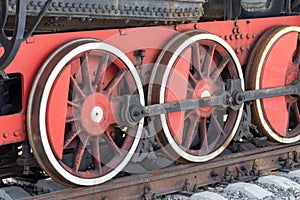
[95,113]
[204,88]
[206,93]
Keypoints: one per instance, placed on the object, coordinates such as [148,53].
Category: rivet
[30,40]
[123,31]
[5,134]
[17,133]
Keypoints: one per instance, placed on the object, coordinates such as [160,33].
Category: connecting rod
[233,97]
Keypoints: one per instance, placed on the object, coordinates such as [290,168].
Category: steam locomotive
[87,87]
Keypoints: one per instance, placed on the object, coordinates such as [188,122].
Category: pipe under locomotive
[87,88]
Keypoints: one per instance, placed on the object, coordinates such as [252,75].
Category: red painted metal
[200,71]
[279,70]
[176,91]
[241,35]
[81,111]
[57,112]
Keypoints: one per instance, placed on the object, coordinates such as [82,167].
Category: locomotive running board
[233,97]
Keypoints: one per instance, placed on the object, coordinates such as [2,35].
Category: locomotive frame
[94,109]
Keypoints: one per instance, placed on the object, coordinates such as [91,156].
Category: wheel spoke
[196,60]
[100,74]
[190,131]
[82,144]
[216,122]
[115,81]
[112,143]
[71,119]
[191,113]
[129,139]
[217,72]
[193,80]
[86,76]
[70,136]
[203,134]
[208,61]
[73,105]
[96,155]
[77,87]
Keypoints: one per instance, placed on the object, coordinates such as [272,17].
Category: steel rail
[187,177]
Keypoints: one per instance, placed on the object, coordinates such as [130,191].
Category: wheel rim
[88,76]
[271,66]
[200,134]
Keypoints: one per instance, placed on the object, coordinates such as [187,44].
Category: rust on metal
[173,179]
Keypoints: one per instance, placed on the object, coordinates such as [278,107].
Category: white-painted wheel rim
[260,111]
[96,45]
[185,44]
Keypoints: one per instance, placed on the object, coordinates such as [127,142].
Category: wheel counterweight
[275,62]
[72,113]
[195,65]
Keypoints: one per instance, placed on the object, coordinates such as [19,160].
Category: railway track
[188,178]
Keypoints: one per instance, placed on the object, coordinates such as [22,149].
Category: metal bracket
[12,45]
[246,128]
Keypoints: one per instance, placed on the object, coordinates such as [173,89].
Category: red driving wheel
[195,65]
[275,62]
[73,109]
